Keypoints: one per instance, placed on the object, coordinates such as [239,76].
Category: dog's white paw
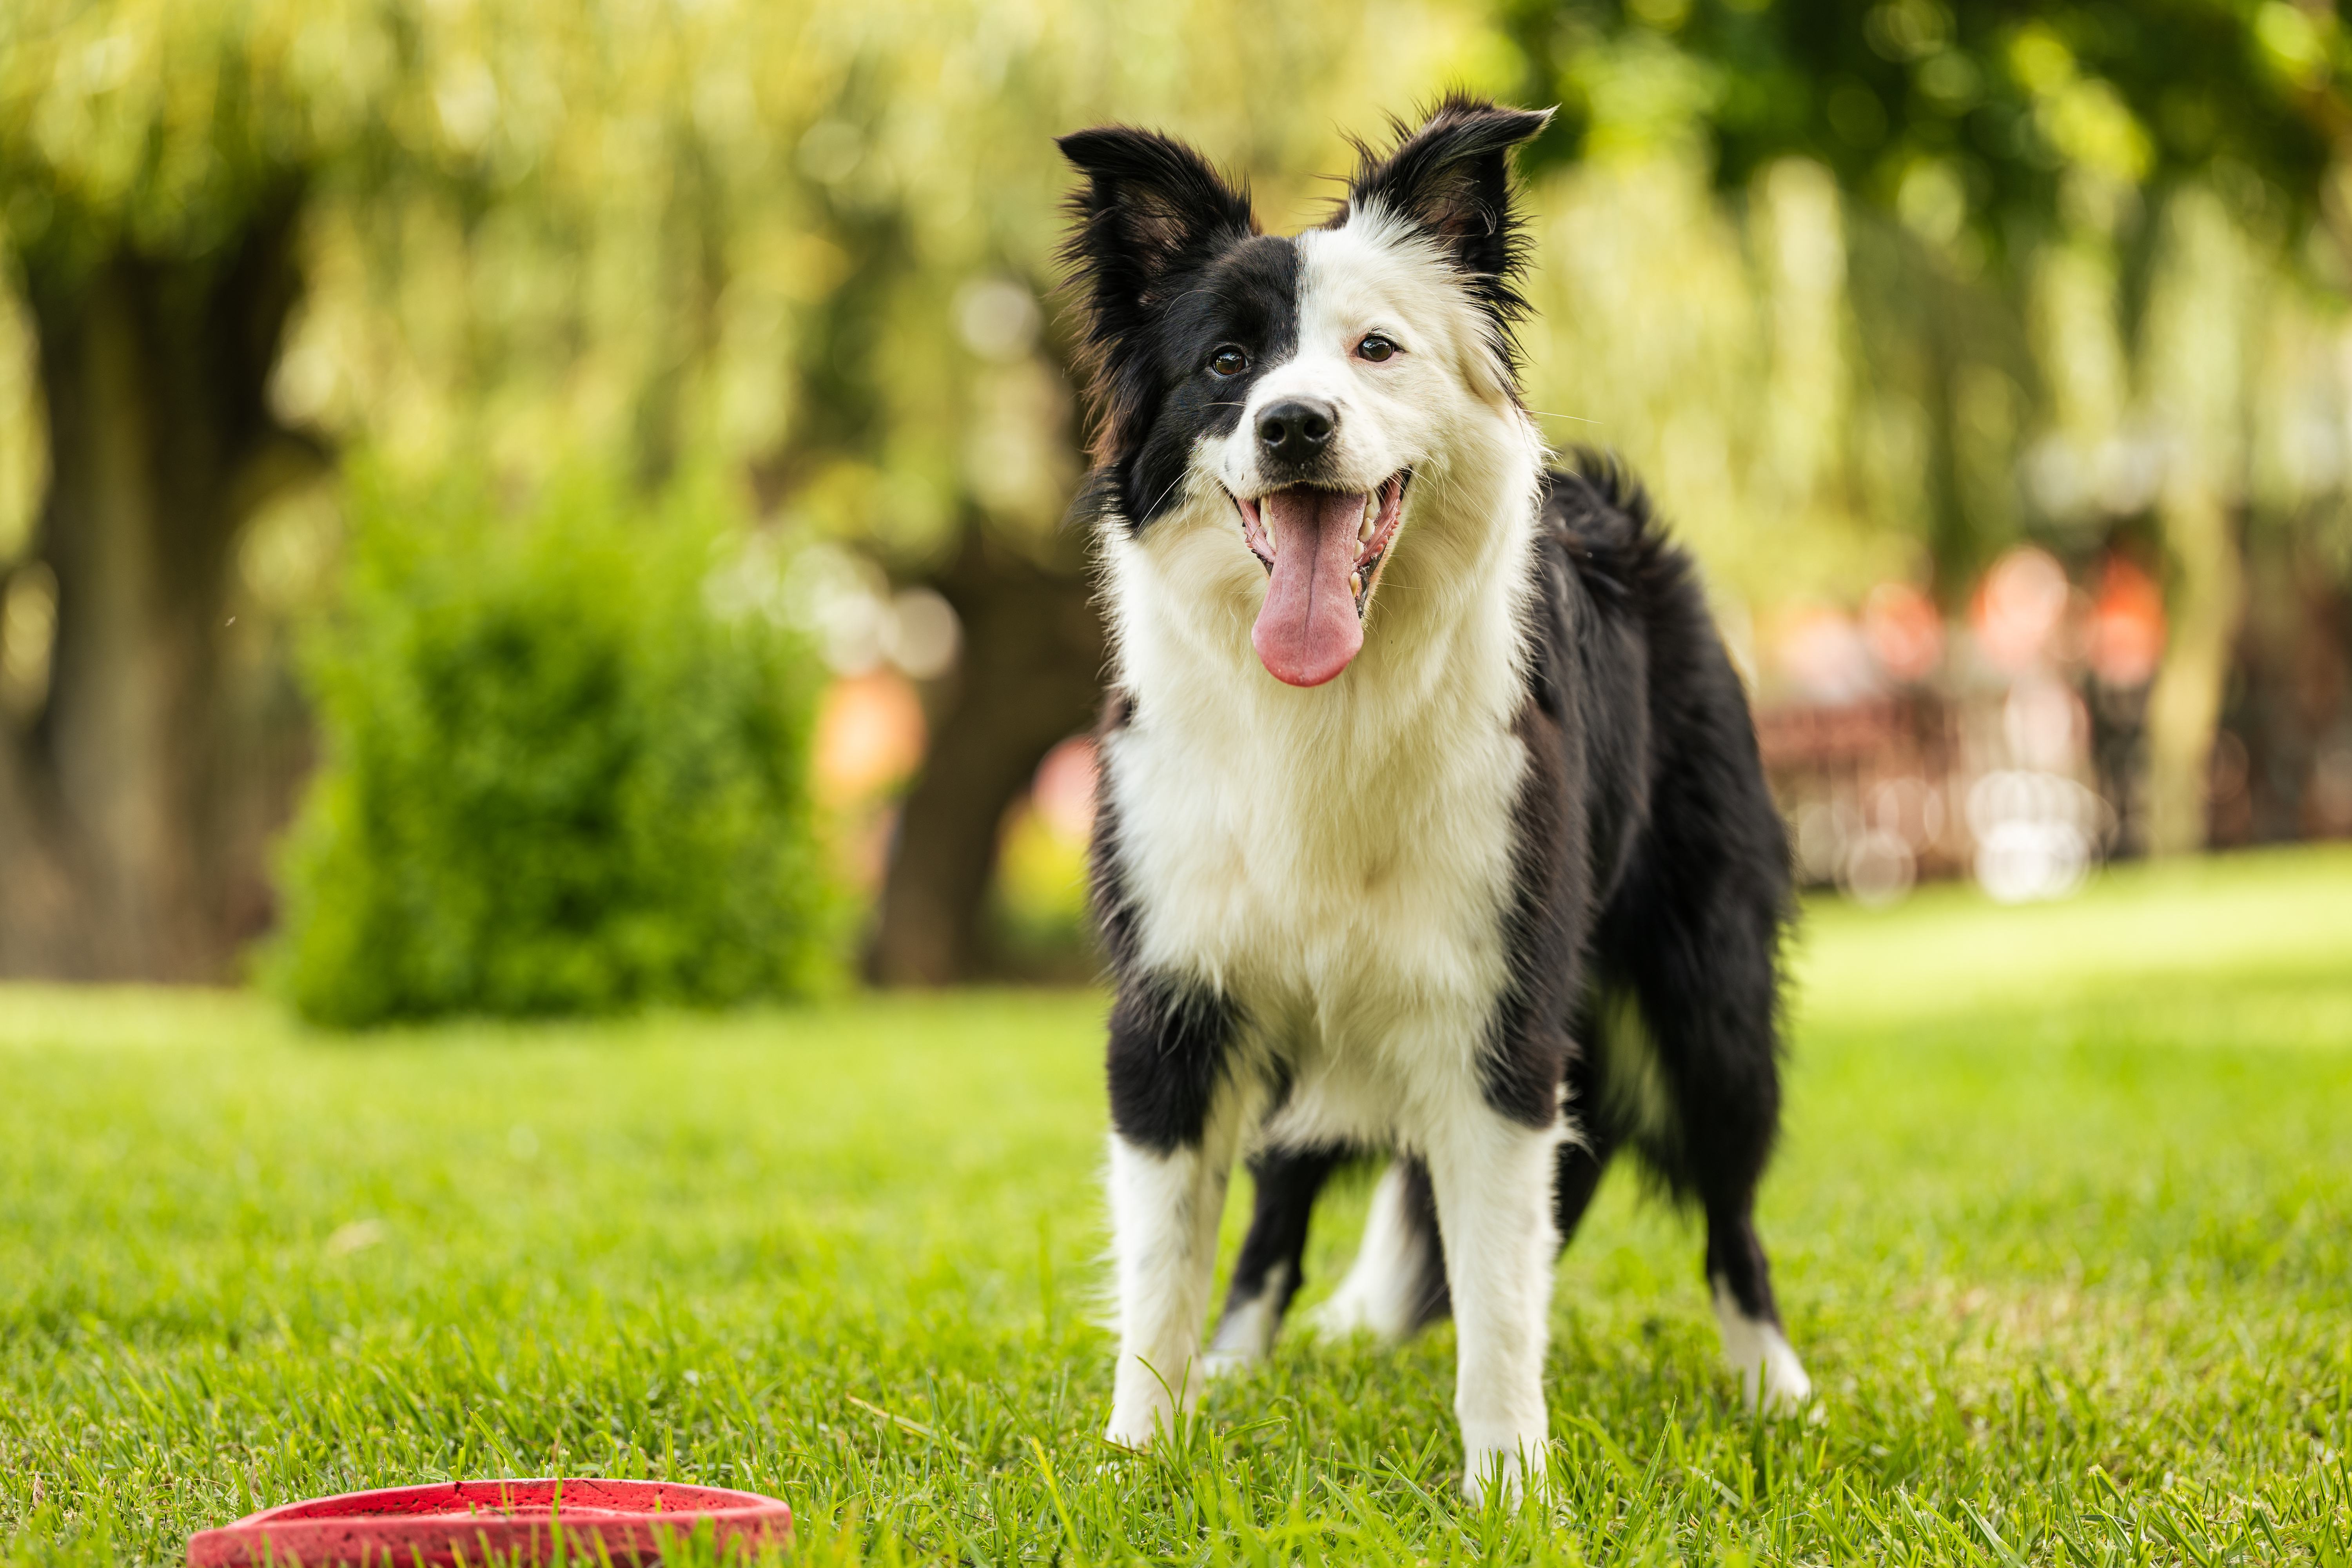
[1127,1435]
[1787,1392]
[1772,1381]
[1504,1470]
[1139,1424]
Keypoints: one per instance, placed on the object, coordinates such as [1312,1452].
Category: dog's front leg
[1176,1112]
[1493,1178]
[1164,1214]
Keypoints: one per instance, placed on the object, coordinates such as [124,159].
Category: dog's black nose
[1297,430]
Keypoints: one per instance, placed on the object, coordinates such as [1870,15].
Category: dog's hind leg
[1397,1283]
[1711,1061]
[1267,1275]
[1727,1091]
[1695,1068]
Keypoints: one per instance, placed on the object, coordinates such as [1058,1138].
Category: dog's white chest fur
[1337,860]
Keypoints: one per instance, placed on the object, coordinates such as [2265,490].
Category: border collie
[1431,820]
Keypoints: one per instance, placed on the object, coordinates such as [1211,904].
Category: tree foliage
[2010,118]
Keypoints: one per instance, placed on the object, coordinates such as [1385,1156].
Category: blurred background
[515,506]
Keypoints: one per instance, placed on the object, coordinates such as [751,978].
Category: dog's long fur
[1503,893]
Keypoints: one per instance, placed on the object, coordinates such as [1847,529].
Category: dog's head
[1297,391]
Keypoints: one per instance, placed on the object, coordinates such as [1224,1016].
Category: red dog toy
[473,1521]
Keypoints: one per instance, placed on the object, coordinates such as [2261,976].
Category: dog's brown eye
[1375,348]
[1229,361]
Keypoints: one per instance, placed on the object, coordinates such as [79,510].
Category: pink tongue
[1308,630]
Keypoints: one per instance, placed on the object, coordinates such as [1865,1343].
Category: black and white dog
[1431,817]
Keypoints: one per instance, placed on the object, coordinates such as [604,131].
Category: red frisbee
[472,1521]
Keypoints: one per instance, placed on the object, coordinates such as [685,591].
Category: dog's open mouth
[1322,550]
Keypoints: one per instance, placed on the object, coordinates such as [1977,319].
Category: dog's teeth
[1356,583]
[1371,521]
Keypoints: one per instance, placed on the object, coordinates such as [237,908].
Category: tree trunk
[160,442]
[1031,677]
[2201,308]
[2184,706]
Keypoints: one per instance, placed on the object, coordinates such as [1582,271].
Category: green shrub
[553,781]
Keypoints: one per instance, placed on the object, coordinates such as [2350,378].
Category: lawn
[2063,1226]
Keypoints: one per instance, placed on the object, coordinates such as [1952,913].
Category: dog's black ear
[1148,205]
[1453,179]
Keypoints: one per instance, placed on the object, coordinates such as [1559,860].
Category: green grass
[2062,1224]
